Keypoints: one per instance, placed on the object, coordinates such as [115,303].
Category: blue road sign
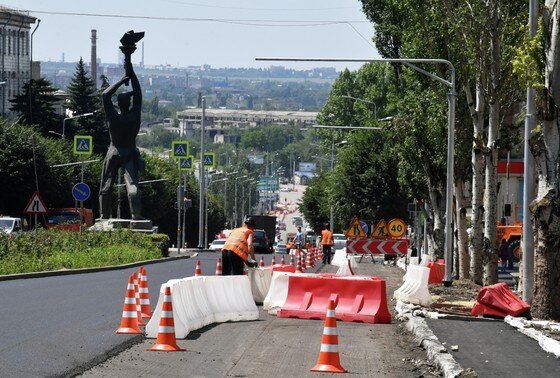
[179,149]
[365,227]
[81,191]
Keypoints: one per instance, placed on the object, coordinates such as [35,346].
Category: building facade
[15,54]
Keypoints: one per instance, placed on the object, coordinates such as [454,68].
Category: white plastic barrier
[260,279]
[414,261]
[230,298]
[345,268]
[415,287]
[278,292]
[199,301]
[339,257]
[425,260]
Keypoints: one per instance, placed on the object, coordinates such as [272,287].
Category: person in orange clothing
[237,249]
[327,241]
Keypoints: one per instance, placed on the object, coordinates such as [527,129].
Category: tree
[36,105]
[83,99]
[545,147]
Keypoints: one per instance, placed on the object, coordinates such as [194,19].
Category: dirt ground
[457,299]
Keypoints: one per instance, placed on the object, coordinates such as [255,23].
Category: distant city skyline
[192,33]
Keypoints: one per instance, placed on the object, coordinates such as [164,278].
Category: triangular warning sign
[83,145]
[180,150]
[208,160]
[36,205]
[380,230]
[355,230]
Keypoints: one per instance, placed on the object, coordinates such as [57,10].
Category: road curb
[66,272]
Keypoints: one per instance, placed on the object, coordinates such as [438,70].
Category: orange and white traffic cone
[166,341]
[261,262]
[219,267]
[135,279]
[283,261]
[308,264]
[329,359]
[292,260]
[145,308]
[129,320]
[198,269]
[298,266]
[273,260]
[301,263]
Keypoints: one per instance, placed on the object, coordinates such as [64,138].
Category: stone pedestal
[144,225]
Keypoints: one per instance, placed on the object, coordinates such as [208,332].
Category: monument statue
[123,129]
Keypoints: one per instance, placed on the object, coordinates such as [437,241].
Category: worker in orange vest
[327,241]
[238,248]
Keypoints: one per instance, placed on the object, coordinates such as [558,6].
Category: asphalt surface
[494,349]
[52,326]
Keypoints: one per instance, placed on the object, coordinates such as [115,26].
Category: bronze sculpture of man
[123,129]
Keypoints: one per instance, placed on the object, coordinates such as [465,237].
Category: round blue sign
[81,191]
[365,227]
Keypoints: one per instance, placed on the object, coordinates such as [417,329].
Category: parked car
[217,244]
[260,242]
[11,225]
[339,241]
[280,248]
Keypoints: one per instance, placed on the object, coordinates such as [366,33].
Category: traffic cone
[283,261]
[308,264]
[219,267]
[198,269]
[298,266]
[129,320]
[301,262]
[166,341]
[145,308]
[261,262]
[329,359]
[273,260]
[135,279]
[291,260]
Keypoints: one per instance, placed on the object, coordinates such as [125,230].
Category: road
[291,199]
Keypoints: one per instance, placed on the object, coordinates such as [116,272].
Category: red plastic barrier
[437,272]
[498,300]
[362,300]
[281,268]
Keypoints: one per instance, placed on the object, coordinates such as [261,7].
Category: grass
[45,250]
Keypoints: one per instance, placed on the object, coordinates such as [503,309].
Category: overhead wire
[252,8]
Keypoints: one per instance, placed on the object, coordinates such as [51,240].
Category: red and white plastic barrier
[261,278]
[357,300]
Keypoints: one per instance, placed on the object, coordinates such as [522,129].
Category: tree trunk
[490,255]
[462,237]
[546,207]
[437,237]
[477,113]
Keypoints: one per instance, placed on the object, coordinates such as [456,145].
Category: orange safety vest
[327,237]
[237,242]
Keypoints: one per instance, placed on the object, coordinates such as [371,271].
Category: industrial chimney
[93,65]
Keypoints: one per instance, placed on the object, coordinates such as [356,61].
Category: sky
[220,33]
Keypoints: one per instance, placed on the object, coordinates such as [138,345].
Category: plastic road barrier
[415,287]
[260,279]
[357,300]
[498,300]
[425,259]
[345,269]
[437,272]
[339,257]
[199,301]
[414,261]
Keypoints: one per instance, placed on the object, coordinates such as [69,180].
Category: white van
[10,225]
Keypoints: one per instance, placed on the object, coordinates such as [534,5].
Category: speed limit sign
[396,227]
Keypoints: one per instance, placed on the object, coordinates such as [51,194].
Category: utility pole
[201,179]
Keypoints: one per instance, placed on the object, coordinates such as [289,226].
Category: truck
[512,234]
[268,224]
[11,225]
[68,218]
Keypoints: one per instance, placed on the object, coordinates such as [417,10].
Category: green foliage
[35,106]
[83,99]
[315,202]
[529,62]
[45,250]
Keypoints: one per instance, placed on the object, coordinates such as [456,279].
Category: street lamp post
[366,101]
[451,99]
[72,117]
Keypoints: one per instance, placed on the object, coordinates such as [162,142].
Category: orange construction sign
[355,230]
[380,230]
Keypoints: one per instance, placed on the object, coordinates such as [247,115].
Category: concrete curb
[66,272]
[425,338]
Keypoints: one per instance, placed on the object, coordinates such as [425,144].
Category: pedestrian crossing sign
[209,160]
[179,149]
[83,145]
[187,163]
[355,230]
